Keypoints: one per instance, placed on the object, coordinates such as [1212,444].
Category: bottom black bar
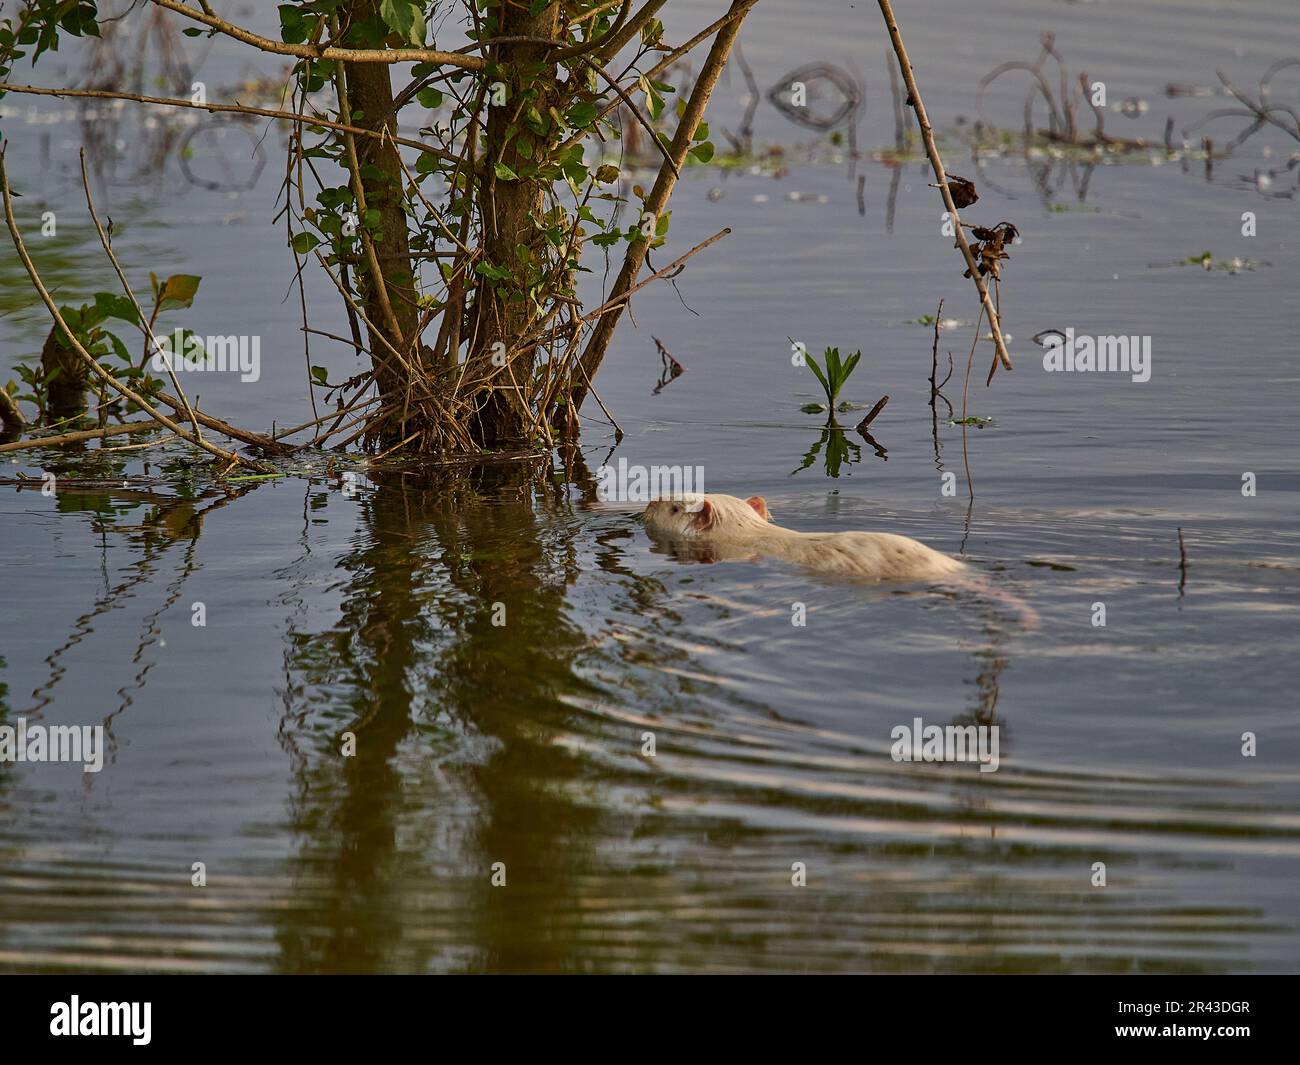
[1235,1015]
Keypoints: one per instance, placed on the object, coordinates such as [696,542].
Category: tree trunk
[511,213]
[370,99]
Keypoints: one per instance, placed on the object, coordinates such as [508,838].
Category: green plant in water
[833,379]
[45,377]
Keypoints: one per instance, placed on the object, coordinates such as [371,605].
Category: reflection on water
[497,648]
[453,637]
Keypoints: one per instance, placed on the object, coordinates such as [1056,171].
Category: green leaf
[833,364]
[533,120]
[581,115]
[703,152]
[111,305]
[304,242]
[429,97]
[505,173]
[851,363]
[320,375]
[405,18]
[654,99]
[817,372]
[119,348]
[178,291]
[292,25]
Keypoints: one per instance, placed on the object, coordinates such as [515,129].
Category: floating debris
[1207,261]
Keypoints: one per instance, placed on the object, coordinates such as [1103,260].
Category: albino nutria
[720,527]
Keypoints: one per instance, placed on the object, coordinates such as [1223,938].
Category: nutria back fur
[722,527]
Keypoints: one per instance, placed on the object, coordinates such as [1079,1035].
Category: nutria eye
[676,509]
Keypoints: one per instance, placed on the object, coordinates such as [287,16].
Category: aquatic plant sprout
[836,374]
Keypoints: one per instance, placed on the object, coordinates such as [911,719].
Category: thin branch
[613,43]
[618,301]
[663,187]
[576,50]
[79,436]
[309,51]
[636,113]
[936,163]
[239,109]
[358,191]
[934,355]
[965,424]
[130,294]
[738,11]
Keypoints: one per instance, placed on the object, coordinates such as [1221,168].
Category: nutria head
[705,517]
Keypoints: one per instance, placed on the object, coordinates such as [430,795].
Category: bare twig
[936,163]
[965,388]
[673,266]
[934,355]
[145,323]
[238,109]
[79,436]
[871,414]
[738,11]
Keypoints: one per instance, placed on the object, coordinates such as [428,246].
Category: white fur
[722,527]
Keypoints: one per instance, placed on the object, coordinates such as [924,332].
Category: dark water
[480,743]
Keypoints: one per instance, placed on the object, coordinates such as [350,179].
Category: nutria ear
[760,507]
[705,516]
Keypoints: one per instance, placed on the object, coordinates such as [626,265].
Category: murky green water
[372,612]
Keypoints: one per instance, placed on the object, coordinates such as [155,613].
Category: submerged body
[722,527]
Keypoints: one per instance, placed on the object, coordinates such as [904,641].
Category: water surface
[479,743]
